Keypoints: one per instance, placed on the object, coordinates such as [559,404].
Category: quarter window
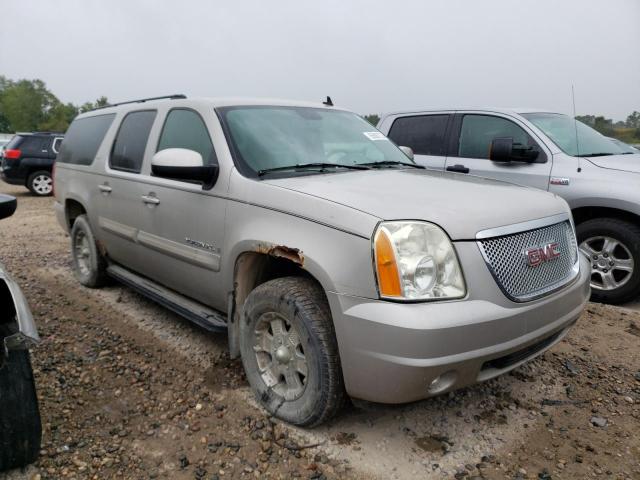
[478,131]
[56,145]
[128,149]
[185,129]
[83,138]
[425,134]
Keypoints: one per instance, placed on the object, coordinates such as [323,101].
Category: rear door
[470,144]
[120,206]
[426,135]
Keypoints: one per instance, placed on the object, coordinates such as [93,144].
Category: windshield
[268,138]
[623,146]
[562,130]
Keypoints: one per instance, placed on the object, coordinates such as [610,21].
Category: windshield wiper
[392,162]
[306,166]
[603,154]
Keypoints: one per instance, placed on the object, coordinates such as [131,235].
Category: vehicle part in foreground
[338,265]
[20,427]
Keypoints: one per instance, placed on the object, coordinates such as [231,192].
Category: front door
[474,134]
[183,231]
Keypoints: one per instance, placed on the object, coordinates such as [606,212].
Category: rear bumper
[12,178]
[396,353]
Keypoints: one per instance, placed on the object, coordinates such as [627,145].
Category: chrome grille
[506,258]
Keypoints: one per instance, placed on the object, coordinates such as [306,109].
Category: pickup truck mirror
[184,164]
[407,151]
[8,205]
[504,150]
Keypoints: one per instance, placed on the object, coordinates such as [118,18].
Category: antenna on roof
[328,102]
[575,125]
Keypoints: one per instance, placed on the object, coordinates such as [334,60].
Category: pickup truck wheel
[613,247]
[89,266]
[40,183]
[289,351]
[20,427]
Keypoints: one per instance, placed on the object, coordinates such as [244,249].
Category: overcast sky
[370,56]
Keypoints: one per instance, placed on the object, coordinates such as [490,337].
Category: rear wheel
[289,351]
[89,266]
[20,427]
[613,248]
[40,183]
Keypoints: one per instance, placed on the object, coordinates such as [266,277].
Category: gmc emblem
[539,255]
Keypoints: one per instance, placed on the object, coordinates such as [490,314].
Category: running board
[196,312]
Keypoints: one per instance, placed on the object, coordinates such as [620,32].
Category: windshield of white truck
[561,129]
[269,140]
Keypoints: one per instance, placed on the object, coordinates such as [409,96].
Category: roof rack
[142,100]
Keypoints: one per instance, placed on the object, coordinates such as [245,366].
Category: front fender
[339,261]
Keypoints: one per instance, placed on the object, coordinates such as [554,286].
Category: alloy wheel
[280,356]
[43,184]
[82,253]
[611,262]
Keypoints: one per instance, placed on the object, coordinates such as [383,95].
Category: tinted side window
[83,138]
[478,131]
[185,129]
[128,149]
[424,134]
[34,145]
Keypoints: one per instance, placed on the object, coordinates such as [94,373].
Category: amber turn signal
[388,276]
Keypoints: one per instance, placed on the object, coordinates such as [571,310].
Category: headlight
[416,261]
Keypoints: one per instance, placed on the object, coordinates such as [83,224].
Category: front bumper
[25,333]
[399,352]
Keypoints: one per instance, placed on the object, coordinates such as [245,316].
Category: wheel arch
[584,213]
[72,210]
[257,266]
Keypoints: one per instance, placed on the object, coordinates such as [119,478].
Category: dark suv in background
[28,160]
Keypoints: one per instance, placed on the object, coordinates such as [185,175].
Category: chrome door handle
[104,188]
[150,200]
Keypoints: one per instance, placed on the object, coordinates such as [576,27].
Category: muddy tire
[289,351]
[20,428]
[613,248]
[89,266]
[40,183]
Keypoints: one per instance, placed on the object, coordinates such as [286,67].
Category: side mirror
[8,205]
[184,164]
[503,150]
[407,151]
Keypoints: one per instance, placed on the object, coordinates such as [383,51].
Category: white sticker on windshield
[374,136]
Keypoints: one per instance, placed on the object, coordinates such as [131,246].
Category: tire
[40,183]
[302,303]
[89,266]
[20,427]
[613,246]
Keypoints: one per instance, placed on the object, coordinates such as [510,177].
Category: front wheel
[613,248]
[40,183]
[289,351]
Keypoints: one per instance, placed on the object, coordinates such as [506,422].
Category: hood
[625,163]
[461,204]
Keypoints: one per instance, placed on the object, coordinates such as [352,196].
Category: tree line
[28,105]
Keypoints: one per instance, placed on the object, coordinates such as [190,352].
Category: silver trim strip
[522,227]
[124,231]
[194,256]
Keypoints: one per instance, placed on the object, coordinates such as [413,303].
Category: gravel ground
[129,390]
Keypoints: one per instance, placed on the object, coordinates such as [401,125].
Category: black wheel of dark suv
[613,248]
[289,351]
[20,427]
